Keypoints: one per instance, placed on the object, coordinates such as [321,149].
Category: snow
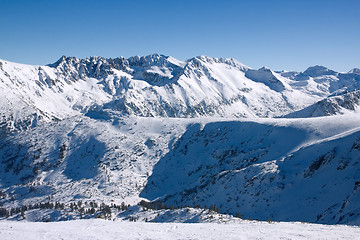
[123,152]
[342,103]
[189,132]
[316,71]
[355,71]
[102,229]
[253,167]
[154,85]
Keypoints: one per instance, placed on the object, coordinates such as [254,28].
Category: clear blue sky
[280,34]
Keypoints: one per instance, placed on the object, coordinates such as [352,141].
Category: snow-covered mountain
[283,170]
[355,71]
[184,133]
[158,86]
[257,167]
[332,105]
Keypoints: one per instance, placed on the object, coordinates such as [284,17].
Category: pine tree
[92,210]
[81,211]
[106,210]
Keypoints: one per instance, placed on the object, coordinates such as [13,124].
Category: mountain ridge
[159,85]
[339,103]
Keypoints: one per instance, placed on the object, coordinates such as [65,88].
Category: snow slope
[248,166]
[337,104]
[100,229]
[282,170]
[33,93]
[85,158]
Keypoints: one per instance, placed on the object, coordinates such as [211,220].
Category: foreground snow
[101,229]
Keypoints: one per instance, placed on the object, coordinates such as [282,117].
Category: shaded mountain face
[317,71]
[267,77]
[261,171]
[355,71]
[189,132]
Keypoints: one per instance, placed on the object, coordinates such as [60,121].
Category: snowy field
[101,229]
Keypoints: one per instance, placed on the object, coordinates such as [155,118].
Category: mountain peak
[62,59]
[149,60]
[355,71]
[318,70]
[265,69]
[266,76]
[229,61]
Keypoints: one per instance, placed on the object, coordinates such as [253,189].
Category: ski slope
[101,229]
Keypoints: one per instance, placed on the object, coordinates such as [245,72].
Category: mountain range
[205,131]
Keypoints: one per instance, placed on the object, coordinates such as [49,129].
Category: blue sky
[280,34]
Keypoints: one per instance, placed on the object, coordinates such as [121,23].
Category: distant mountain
[333,105]
[317,71]
[157,86]
[355,71]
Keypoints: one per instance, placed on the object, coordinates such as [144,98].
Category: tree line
[91,208]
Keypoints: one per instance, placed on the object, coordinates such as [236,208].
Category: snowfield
[102,229]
